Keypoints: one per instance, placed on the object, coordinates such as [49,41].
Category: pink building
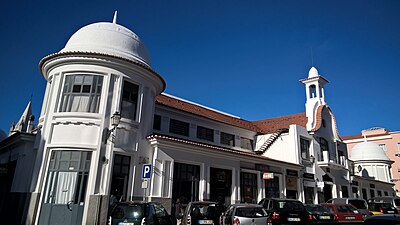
[389,141]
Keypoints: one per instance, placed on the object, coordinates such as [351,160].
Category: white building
[104,117]
[312,140]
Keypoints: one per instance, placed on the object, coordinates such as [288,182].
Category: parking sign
[146,171]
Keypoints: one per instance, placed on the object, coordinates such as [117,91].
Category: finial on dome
[115,17]
[313,72]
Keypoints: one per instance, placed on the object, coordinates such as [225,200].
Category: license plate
[390,211]
[293,219]
[324,217]
[350,217]
[206,222]
[123,223]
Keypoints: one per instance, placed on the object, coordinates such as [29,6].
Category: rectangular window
[383,147]
[205,133]
[345,192]
[129,104]
[157,122]
[179,127]
[398,147]
[372,193]
[305,148]
[246,143]
[81,93]
[227,139]
[324,147]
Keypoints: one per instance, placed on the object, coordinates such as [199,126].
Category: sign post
[146,175]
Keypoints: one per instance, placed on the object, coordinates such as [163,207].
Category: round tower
[97,110]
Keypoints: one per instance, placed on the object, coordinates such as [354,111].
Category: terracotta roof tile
[272,125]
[204,112]
[318,118]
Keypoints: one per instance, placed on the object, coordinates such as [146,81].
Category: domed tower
[97,110]
[371,161]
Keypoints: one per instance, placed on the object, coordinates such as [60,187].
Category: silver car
[244,214]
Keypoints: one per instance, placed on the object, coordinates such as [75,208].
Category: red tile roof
[262,126]
[273,124]
[204,112]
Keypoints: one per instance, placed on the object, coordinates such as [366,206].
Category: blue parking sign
[146,171]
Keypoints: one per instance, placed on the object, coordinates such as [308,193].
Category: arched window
[313,91]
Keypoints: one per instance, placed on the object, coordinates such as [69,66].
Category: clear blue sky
[241,57]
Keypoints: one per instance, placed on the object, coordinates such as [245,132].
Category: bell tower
[315,94]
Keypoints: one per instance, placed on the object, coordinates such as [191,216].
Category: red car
[346,213]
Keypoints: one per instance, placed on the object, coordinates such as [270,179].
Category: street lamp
[312,159]
[115,119]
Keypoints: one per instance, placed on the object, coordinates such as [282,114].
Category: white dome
[368,151]
[108,38]
[313,72]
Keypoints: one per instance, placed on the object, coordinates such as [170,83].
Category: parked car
[383,219]
[201,212]
[377,208]
[345,213]
[139,213]
[321,215]
[360,204]
[285,211]
[244,214]
[394,201]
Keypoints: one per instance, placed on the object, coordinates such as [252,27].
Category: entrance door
[220,185]
[248,187]
[186,182]
[64,195]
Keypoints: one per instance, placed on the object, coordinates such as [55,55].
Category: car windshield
[359,204]
[251,212]
[318,208]
[289,205]
[128,211]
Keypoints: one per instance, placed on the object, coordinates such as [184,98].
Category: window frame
[304,149]
[184,132]
[70,83]
[226,135]
[205,133]
[124,90]
[251,144]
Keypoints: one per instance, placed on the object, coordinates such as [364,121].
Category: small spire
[115,17]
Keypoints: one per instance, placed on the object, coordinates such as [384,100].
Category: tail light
[336,217]
[380,209]
[309,218]
[189,220]
[144,221]
[275,216]
[236,221]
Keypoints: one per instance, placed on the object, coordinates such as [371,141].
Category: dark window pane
[205,133]
[179,127]
[227,139]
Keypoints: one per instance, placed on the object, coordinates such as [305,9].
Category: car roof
[246,205]
[391,217]
[202,203]
[283,199]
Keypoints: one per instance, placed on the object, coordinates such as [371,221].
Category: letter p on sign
[146,171]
